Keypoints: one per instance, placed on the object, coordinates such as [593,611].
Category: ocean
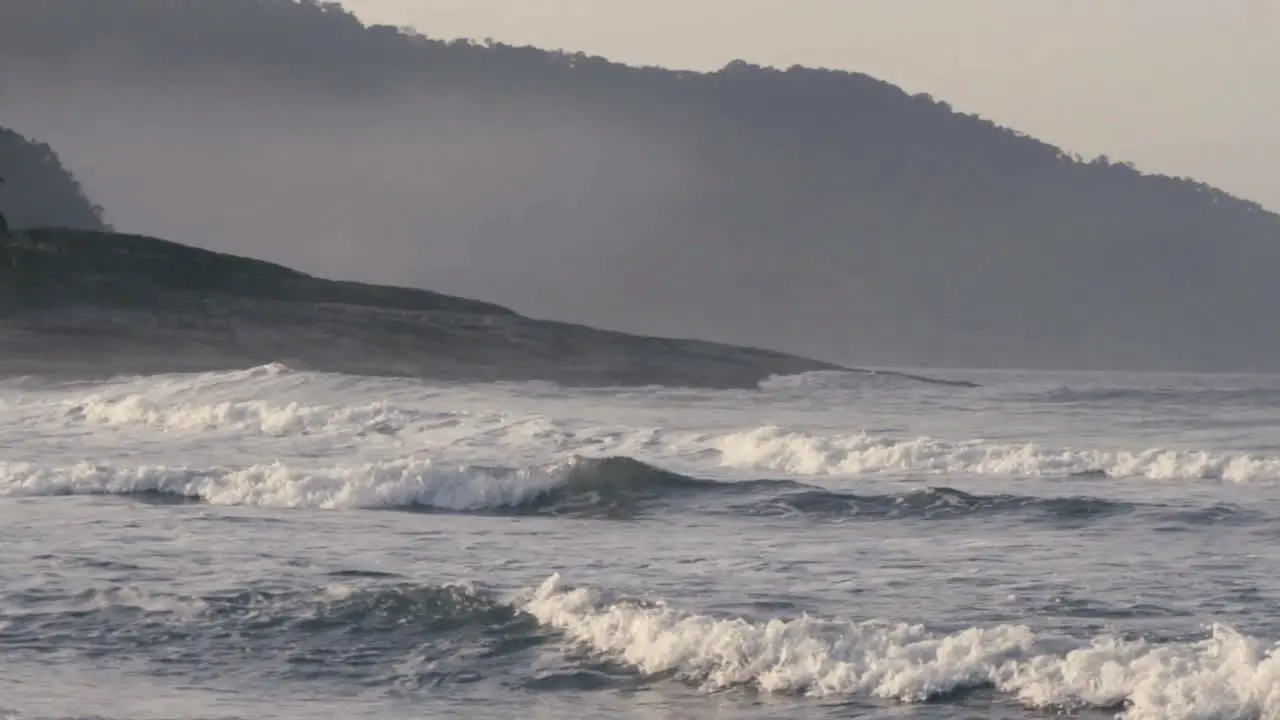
[274,543]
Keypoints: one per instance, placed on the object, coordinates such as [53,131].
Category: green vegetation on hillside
[38,190]
[826,212]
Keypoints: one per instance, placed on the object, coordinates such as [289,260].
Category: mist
[822,213]
[520,203]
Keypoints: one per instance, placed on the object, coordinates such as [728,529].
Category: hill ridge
[82,302]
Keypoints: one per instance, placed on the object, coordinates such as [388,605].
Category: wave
[429,608]
[256,416]
[383,634]
[607,488]
[936,503]
[1267,396]
[798,453]
[426,635]
[767,449]
[338,606]
[1226,675]
[401,483]
[854,378]
[588,486]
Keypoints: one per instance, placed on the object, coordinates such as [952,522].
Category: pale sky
[1185,87]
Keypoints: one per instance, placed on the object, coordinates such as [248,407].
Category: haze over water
[264,540]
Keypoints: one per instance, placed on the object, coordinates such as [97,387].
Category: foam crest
[254,415]
[785,656]
[854,379]
[777,449]
[1228,675]
[611,486]
[400,483]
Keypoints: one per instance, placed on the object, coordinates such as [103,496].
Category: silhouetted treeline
[822,212]
[38,190]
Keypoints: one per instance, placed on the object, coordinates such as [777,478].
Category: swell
[1266,396]
[402,634]
[608,488]
[372,608]
[935,503]
[426,637]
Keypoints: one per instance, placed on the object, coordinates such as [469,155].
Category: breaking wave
[798,453]
[766,449]
[427,636]
[1226,675]
[248,402]
[259,416]
[407,483]
[855,378]
[612,487]
[578,485]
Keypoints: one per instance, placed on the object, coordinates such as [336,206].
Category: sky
[1181,87]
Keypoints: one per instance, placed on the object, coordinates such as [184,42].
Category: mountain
[77,302]
[80,302]
[820,212]
[38,190]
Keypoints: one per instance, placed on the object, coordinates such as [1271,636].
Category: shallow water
[272,543]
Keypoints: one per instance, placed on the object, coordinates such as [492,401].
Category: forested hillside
[38,190]
[820,212]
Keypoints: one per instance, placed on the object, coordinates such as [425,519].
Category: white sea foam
[216,437]
[800,453]
[400,483]
[259,416]
[1227,675]
[846,380]
[768,448]
[492,425]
